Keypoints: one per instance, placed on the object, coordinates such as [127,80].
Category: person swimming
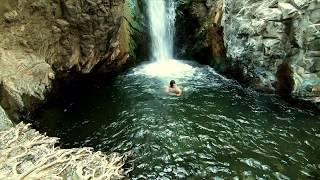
[173,89]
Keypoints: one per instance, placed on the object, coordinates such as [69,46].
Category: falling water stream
[161,15]
[215,129]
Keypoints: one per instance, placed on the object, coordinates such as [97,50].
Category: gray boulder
[25,80]
[5,122]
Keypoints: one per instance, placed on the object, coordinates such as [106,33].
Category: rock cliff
[275,43]
[272,46]
[199,31]
[42,40]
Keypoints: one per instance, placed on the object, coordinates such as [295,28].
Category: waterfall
[162,18]
[161,15]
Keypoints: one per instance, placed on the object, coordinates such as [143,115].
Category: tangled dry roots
[27,154]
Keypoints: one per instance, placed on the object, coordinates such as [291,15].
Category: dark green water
[216,129]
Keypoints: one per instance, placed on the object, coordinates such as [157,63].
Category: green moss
[138,27]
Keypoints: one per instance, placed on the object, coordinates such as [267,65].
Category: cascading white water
[162,18]
[162,24]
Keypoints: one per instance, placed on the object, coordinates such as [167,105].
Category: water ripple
[216,129]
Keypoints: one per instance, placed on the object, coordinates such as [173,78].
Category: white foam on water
[166,69]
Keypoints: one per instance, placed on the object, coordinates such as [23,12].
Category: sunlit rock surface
[261,36]
[45,40]
[26,154]
[25,79]
[70,35]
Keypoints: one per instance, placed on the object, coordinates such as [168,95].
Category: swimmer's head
[172,83]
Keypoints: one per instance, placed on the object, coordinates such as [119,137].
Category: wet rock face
[263,35]
[199,33]
[285,83]
[42,40]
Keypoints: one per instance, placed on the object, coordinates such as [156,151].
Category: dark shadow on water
[72,105]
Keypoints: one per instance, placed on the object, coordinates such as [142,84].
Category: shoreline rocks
[27,154]
[24,82]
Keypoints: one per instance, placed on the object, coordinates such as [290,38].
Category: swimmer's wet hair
[172,82]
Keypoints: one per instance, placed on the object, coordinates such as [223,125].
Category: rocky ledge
[27,154]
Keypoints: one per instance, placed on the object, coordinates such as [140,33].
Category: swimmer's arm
[179,92]
[166,90]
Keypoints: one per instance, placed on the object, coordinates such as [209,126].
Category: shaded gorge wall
[199,34]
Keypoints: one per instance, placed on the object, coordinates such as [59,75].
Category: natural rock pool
[216,129]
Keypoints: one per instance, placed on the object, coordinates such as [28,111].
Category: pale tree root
[27,154]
